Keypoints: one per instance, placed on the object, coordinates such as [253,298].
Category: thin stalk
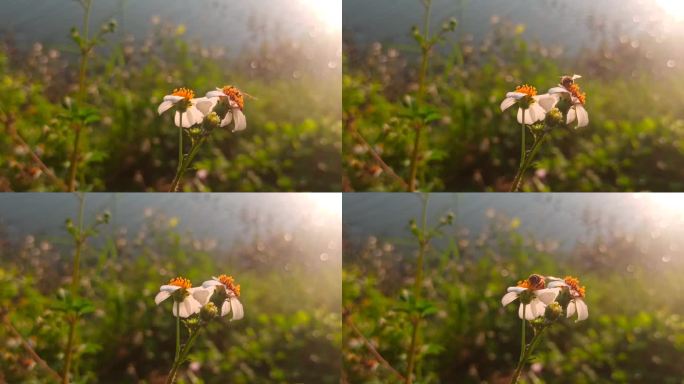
[85,51]
[171,378]
[423,242]
[426,47]
[527,351]
[523,152]
[75,283]
[177,332]
[186,163]
[528,162]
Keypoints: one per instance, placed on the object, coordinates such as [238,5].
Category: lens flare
[328,12]
[674,8]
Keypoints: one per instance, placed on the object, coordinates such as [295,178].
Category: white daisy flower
[534,106]
[187,107]
[532,289]
[578,98]
[577,292]
[236,104]
[186,300]
[232,291]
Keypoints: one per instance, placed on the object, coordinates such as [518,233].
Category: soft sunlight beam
[329,12]
[675,8]
[668,202]
[327,202]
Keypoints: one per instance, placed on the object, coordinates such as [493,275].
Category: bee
[536,281]
[568,81]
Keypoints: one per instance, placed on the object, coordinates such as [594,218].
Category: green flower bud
[526,296]
[208,312]
[553,311]
[554,118]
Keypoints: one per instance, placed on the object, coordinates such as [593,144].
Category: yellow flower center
[527,89]
[181,282]
[184,93]
[575,90]
[574,284]
[229,282]
[234,94]
[533,283]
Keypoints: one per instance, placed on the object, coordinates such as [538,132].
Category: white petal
[173,98]
[582,310]
[539,112]
[164,106]
[240,120]
[216,93]
[227,119]
[183,313]
[202,295]
[206,105]
[161,296]
[572,115]
[575,77]
[196,116]
[571,309]
[211,283]
[169,288]
[556,284]
[238,312]
[193,305]
[516,289]
[537,308]
[186,120]
[558,90]
[507,103]
[529,314]
[582,116]
[516,95]
[547,101]
[508,298]
[225,308]
[528,118]
[548,295]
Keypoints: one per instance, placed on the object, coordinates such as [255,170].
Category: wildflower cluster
[561,107]
[543,301]
[198,306]
[198,117]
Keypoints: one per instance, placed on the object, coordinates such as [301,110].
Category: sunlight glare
[669,202]
[328,202]
[675,8]
[329,12]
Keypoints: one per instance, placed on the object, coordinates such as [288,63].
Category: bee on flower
[228,294]
[569,89]
[234,101]
[576,292]
[186,300]
[532,107]
[188,108]
[533,295]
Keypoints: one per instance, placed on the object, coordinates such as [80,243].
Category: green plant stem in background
[83,67]
[426,46]
[422,242]
[527,351]
[196,144]
[75,283]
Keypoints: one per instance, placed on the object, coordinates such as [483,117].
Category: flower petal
[516,289]
[528,117]
[582,116]
[187,123]
[240,120]
[211,283]
[582,309]
[201,294]
[547,101]
[206,105]
[516,95]
[173,98]
[225,308]
[216,93]
[507,103]
[571,309]
[161,296]
[547,295]
[227,119]
[572,115]
[539,112]
[169,288]
[529,314]
[558,90]
[537,308]
[164,106]
[509,298]
[238,311]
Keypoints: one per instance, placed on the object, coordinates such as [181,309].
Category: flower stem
[177,332]
[180,358]
[523,153]
[526,352]
[423,242]
[517,182]
[186,163]
[75,283]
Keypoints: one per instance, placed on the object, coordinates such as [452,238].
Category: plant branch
[27,347]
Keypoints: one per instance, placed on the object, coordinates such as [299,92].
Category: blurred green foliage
[293,136]
[635,140]
[291,332]
[633,334]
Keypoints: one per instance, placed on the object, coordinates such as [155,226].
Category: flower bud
[553,311]
[554,118]
[564,298]
[526,297]
[208,312]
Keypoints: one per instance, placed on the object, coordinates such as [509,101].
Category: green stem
[523,152]
[177,331]
[422,75]
[75,283]
[527,351]
[423,242]
[528,162]
[523,338]
[178,361]
[186,163]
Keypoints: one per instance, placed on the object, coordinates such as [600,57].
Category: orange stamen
[527,89]
[181,282]
[574,284]
[234,94]
[229,282]
[575,90]
[184,93]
